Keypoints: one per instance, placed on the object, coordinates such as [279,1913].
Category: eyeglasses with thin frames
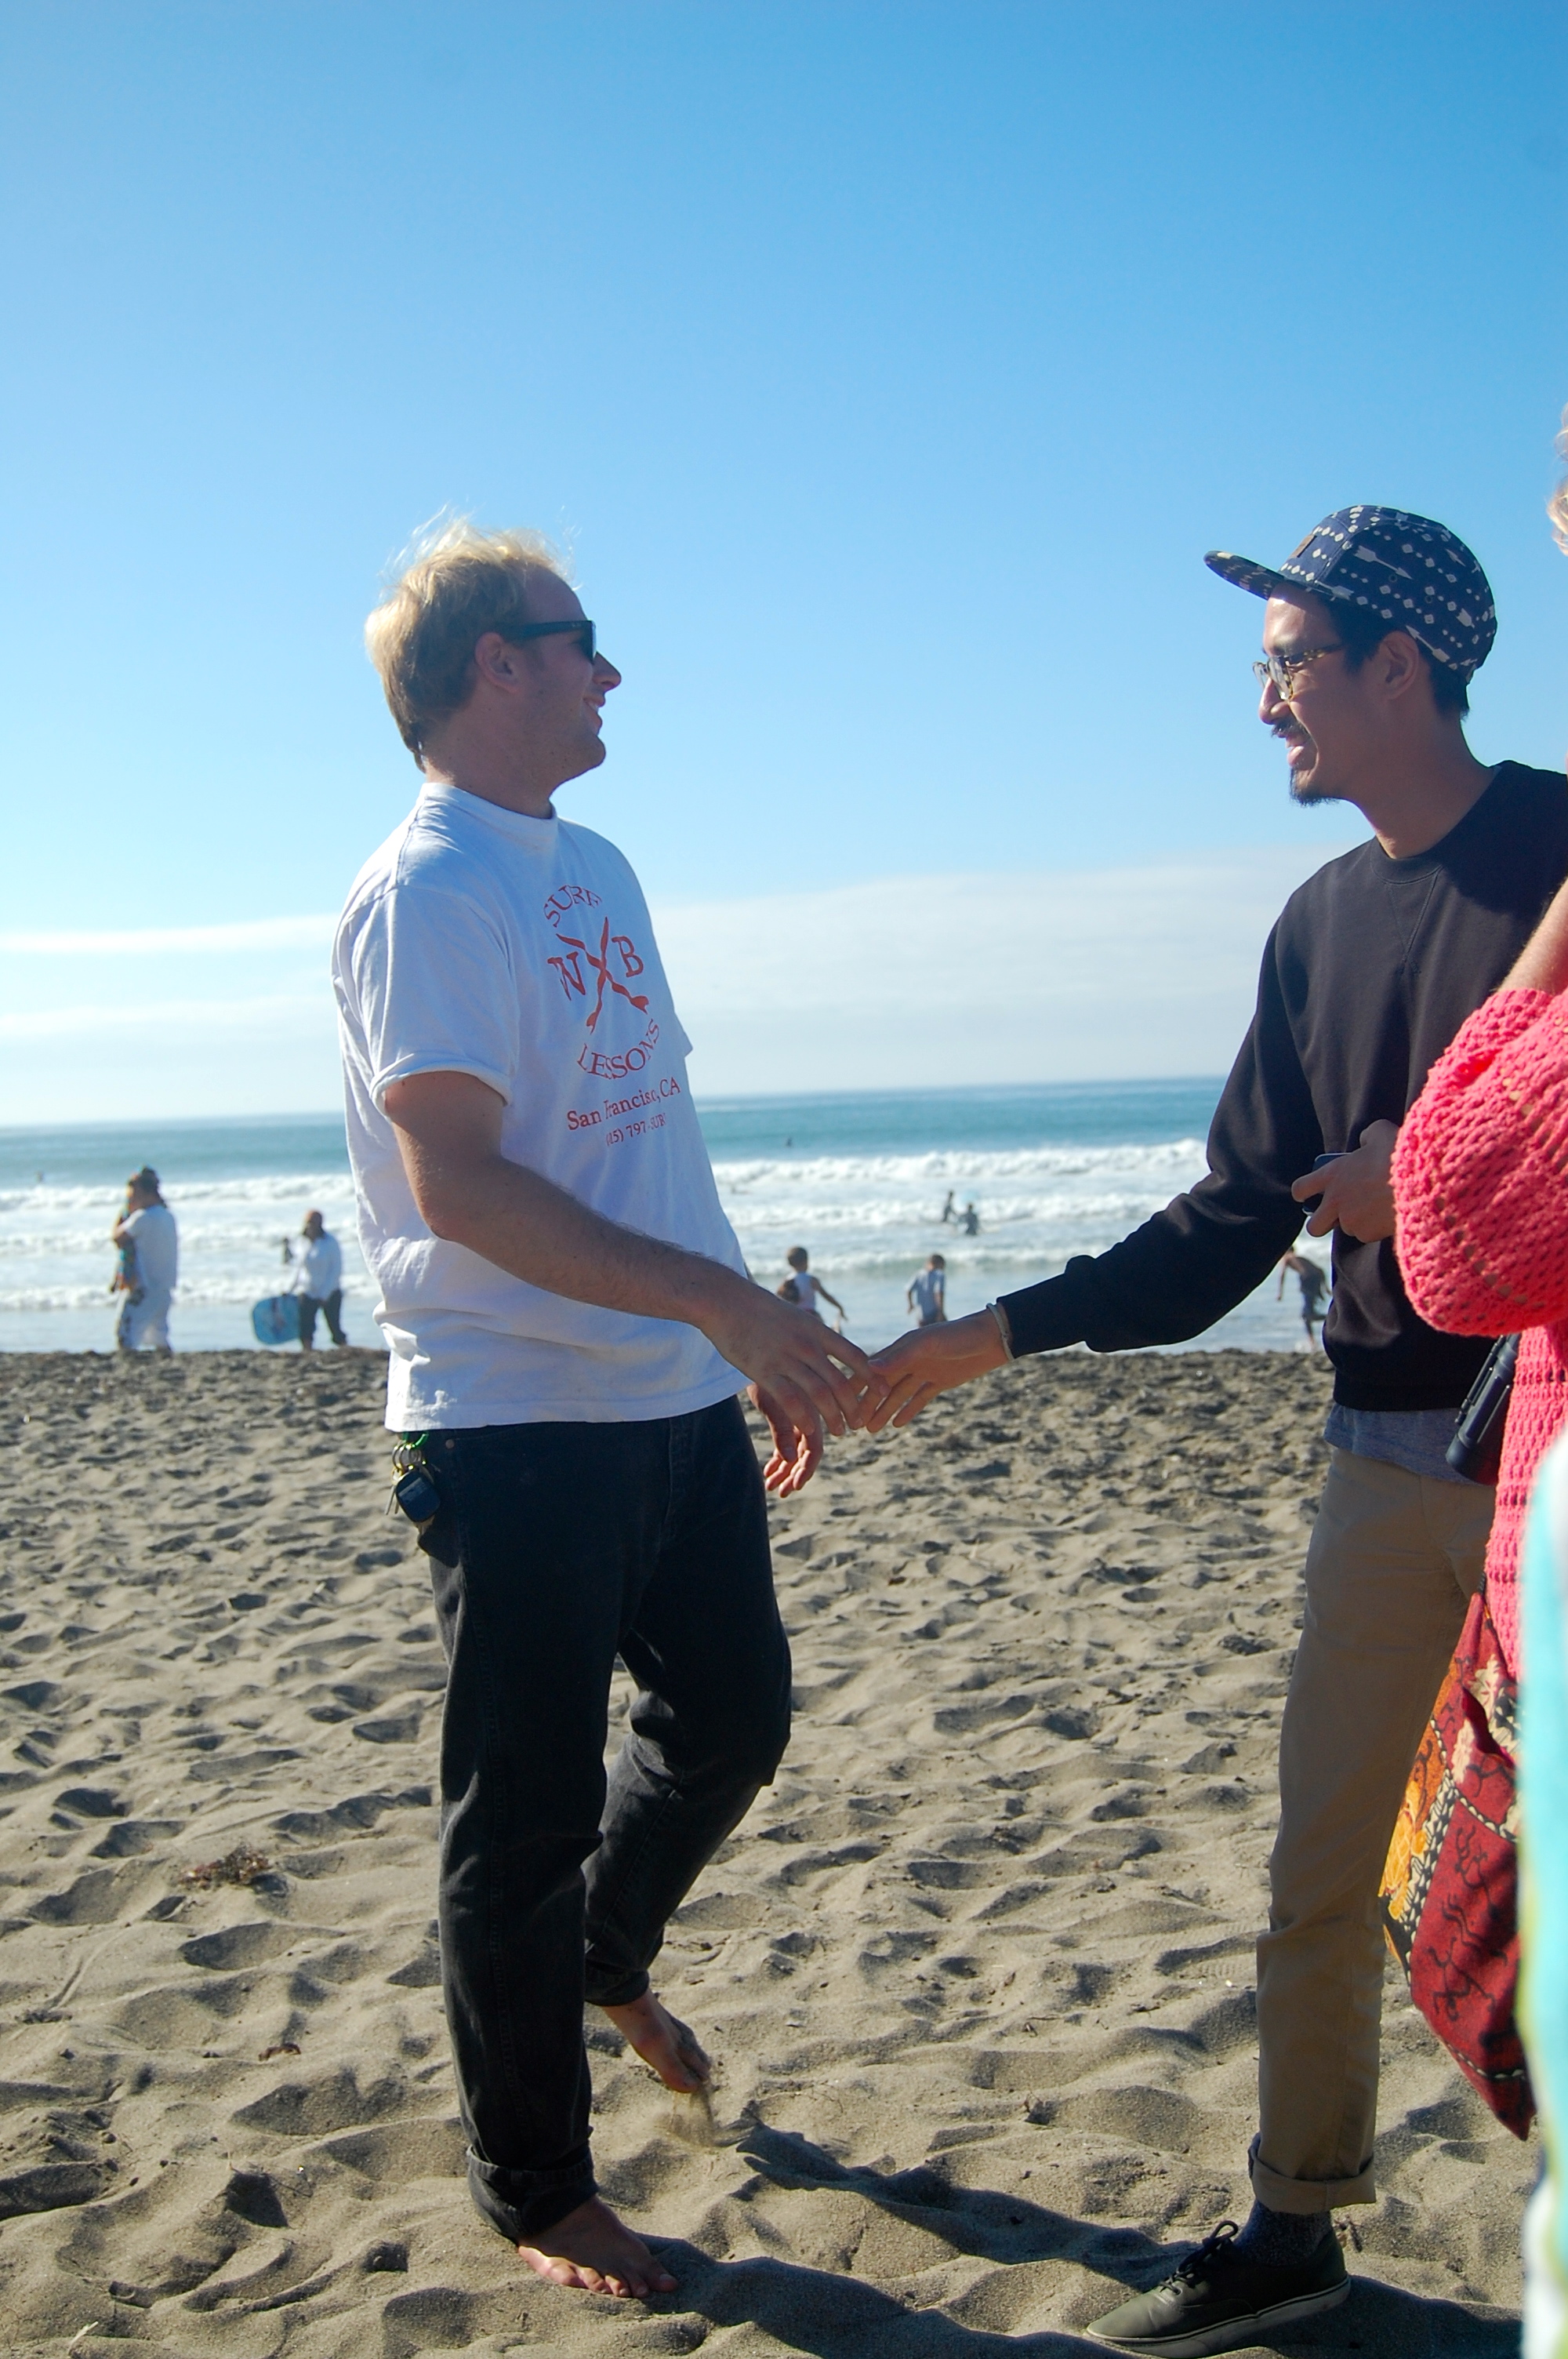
[515,633]
[1282,670]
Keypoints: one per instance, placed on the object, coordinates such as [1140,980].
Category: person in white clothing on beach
[149,1247]
[569,1322]
[319,1281]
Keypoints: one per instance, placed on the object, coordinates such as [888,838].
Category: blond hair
[1557,506]
[457,584]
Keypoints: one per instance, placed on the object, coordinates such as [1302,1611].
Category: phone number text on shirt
[590,1119]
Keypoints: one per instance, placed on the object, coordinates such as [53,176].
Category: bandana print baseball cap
[1414,575]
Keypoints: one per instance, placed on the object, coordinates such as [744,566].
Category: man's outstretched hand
[931,1360]
[807,1381]
[1355,1191]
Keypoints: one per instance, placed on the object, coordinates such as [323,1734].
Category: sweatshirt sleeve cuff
[1044,1318]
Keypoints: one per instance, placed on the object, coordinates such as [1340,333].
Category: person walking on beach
[569,1321]
[148,1242]
[1372,631]
[802,1287]
[927,1294]
[1314,1281]
[319,1281]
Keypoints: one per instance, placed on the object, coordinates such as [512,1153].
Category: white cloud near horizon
[186,1017]
[1116,973]
[147,942]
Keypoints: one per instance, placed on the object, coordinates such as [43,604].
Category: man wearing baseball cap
[1372,631]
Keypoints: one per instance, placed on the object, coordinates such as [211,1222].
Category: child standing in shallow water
[1314,1281]
[927,1294]
[801,1288]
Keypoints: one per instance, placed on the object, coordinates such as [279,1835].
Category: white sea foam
[56,1258]
[869,1221]
[877,1215]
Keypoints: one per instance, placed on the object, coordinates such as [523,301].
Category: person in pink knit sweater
[1480,1178]
[1481,1207]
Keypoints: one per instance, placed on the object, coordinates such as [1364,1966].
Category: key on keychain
[413,1492]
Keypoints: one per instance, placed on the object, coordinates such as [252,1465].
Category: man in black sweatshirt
[1372,630]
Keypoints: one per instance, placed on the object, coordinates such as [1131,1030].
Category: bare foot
[592,2252]
[663,2041]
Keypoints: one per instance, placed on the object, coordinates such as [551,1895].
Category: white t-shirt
[479,941]
[156,1241]
[318,1267]
[805,1290]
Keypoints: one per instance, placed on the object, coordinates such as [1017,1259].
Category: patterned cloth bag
[1449,1888]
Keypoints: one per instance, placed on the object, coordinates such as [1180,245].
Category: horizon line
[722,1098]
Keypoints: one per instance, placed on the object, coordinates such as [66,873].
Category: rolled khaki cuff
[1308,2195]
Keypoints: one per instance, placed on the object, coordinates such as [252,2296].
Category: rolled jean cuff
[610,1989]
[1307,2195]
[525,2204]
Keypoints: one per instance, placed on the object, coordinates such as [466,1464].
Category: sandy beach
[978,1971]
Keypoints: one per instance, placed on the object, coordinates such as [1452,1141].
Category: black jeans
[558,1547]
[331,1304]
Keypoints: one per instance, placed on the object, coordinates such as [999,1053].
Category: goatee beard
[1303,793]
[1302,790]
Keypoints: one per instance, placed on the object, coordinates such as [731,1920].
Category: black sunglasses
[584,631]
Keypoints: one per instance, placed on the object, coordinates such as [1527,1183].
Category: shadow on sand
[836,2317]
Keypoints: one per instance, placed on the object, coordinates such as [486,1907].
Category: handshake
[808,1382]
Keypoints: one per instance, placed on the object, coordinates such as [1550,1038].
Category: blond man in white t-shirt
[569,1322]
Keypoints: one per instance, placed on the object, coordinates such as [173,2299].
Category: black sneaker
[1218,2298]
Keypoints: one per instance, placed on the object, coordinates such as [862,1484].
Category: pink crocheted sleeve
[1481,1173]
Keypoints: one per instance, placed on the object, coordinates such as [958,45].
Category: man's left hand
[796,1455]
[1355,1191]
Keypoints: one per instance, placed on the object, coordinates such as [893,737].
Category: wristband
[1002,1328]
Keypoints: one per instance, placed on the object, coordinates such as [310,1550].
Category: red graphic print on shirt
[569,967]
[613,965]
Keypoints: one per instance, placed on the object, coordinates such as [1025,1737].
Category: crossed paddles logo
[613,951]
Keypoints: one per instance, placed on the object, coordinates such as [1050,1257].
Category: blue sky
[888,368]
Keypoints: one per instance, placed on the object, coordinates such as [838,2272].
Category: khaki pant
[1393,1562]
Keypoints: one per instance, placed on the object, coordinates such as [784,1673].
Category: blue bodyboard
[276,1320]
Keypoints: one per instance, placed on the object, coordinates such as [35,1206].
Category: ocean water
[860,1180]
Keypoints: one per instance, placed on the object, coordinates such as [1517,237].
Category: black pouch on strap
[1476,1448]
